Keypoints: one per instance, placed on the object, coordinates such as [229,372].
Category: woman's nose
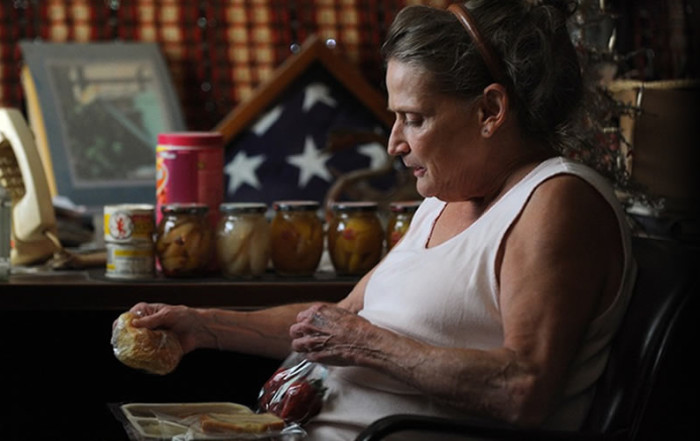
[397,145]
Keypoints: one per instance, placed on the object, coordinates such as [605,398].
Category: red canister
[189,169]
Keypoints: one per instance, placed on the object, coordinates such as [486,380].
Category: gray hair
[531,40]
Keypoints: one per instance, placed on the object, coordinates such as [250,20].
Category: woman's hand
[333,335]
[183,321]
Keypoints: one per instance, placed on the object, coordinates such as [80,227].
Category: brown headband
[482,46]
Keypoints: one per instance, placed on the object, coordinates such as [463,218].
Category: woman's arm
[260,332]
[560,266]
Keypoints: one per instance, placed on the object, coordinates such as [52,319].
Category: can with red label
[129,223]
[129,231]
[189,169]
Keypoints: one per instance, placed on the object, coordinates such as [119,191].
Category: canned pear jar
[355,237]
[184,240]
[296,238]
[400,215]
[243,239]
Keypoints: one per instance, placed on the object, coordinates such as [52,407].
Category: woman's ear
[493,109]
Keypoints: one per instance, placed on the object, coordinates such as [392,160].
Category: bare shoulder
[567,226]
[568,204]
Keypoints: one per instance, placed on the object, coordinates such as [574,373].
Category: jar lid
[191,139]
[295,205]
[404,206]
[354,206]
[184,208]
[243,207]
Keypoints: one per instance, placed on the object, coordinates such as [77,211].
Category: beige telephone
[34,232]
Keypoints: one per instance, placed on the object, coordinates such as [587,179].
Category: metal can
[129,233]
[355,237]
[189,169]
[400,215]
[184,240]
[243,239]
[296,238]
[129,223]
[130,260]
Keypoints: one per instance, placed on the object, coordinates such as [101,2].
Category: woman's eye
[413,120]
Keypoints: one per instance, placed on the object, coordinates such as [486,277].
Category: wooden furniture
[91,290]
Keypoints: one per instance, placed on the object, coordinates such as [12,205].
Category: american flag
[282,154]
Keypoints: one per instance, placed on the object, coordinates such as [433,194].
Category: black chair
[648,389]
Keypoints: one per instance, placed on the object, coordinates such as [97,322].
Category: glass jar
[296,238]
[400,215]
[184,240]
[355,237]
[243,239]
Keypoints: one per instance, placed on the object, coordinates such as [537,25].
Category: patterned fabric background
[218,51]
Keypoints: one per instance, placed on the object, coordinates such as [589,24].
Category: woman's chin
[424,190]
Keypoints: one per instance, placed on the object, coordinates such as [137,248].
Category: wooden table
[92,290]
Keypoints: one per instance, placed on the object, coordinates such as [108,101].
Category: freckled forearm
[264,332]
[480,383]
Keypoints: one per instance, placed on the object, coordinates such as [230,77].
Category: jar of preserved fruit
[400,215]
[296,238]
[243,239]
[355,237]
[184,240]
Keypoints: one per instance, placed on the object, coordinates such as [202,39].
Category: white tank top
[448,295]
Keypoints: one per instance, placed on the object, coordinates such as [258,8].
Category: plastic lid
[191,139]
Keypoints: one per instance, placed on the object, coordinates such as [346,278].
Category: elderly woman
[502,298]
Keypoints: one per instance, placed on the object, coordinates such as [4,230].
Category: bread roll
[154,351]
[240,422]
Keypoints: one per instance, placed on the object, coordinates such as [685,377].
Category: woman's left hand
[332,335]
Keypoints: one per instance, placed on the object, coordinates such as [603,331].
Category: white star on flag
[242,171]
[376,152]
[317,92]
[267,120]
[311,163]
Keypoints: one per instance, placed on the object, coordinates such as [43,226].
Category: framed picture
[315,130]
[96,110]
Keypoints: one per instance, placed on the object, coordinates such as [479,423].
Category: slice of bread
[240,422]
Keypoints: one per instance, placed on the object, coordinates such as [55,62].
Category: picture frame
[96,110]
[315,130]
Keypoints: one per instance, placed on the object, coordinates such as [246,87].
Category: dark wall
[59,377]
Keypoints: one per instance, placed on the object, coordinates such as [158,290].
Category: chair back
[666,285]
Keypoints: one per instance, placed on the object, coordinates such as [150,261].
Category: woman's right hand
[181,320]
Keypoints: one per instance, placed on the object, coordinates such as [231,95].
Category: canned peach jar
[296,238]
[355,237]
[400,216]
